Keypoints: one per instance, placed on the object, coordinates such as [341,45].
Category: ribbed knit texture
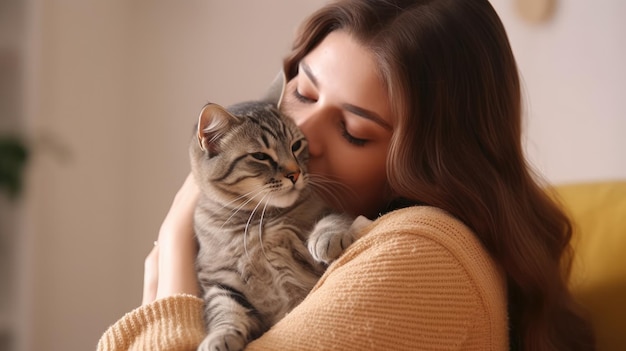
[417,280]
[172,323]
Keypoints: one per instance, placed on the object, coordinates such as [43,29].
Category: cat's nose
[293,176]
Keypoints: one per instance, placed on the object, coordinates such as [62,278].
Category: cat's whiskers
[238,208]
[261,227]
[328,180]
[242,196]
[266,191]
[330,188]
[245,232]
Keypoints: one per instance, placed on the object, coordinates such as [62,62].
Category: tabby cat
[264,237]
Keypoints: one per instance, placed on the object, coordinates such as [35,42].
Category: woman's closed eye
[302,98]
[305,99]
[349,137]
[342,127]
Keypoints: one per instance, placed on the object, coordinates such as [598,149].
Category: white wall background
[116,85]
[574,73]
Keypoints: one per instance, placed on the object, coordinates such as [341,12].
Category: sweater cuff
[171,323]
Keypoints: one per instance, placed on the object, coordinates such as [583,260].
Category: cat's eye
[261,156]
[296,146]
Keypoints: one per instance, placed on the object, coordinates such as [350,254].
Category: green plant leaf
[13,158]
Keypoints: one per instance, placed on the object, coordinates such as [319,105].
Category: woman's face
[341,104]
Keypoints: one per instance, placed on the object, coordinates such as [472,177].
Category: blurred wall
[573,76]
[113,88]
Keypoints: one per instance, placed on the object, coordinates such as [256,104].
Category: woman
[414,108]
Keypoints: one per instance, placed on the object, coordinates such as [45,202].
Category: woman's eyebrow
[307,70]
[359,111]
[369,115]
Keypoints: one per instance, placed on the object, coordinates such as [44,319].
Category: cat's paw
[223,340]
[359,224]
[330,237]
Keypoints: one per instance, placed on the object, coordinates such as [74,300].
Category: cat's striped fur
[254,219]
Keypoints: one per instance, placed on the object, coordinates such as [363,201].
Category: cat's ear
[213,122]
[276,90]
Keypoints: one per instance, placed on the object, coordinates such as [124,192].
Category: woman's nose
[311,124]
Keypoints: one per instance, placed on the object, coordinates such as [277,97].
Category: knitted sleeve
[419,280]
[169,324]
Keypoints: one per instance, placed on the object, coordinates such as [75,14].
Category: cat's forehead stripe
[270,132]
[263,127]
[283,126]
[230,169]
[280,123]
[278,120]
[265,141]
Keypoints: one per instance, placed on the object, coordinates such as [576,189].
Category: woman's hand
[170,267]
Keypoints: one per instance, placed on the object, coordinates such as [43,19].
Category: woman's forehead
[346,71]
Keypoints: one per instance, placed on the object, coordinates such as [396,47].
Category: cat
[264,237]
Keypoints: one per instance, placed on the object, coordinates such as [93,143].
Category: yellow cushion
[598,280]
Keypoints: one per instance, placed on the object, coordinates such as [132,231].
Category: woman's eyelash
[301,97]
[344,131]
[350,138]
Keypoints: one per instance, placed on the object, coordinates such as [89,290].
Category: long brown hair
[455,91]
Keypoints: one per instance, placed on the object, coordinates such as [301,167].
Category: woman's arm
[171,262]
[170,317]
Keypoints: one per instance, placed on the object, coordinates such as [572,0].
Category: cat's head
[249,154]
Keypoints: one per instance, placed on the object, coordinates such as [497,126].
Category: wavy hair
[454,86]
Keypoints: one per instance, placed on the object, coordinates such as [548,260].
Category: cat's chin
[284,200]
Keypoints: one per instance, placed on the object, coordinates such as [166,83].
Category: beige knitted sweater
[418,279]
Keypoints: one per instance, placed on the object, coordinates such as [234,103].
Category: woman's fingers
[150,275]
